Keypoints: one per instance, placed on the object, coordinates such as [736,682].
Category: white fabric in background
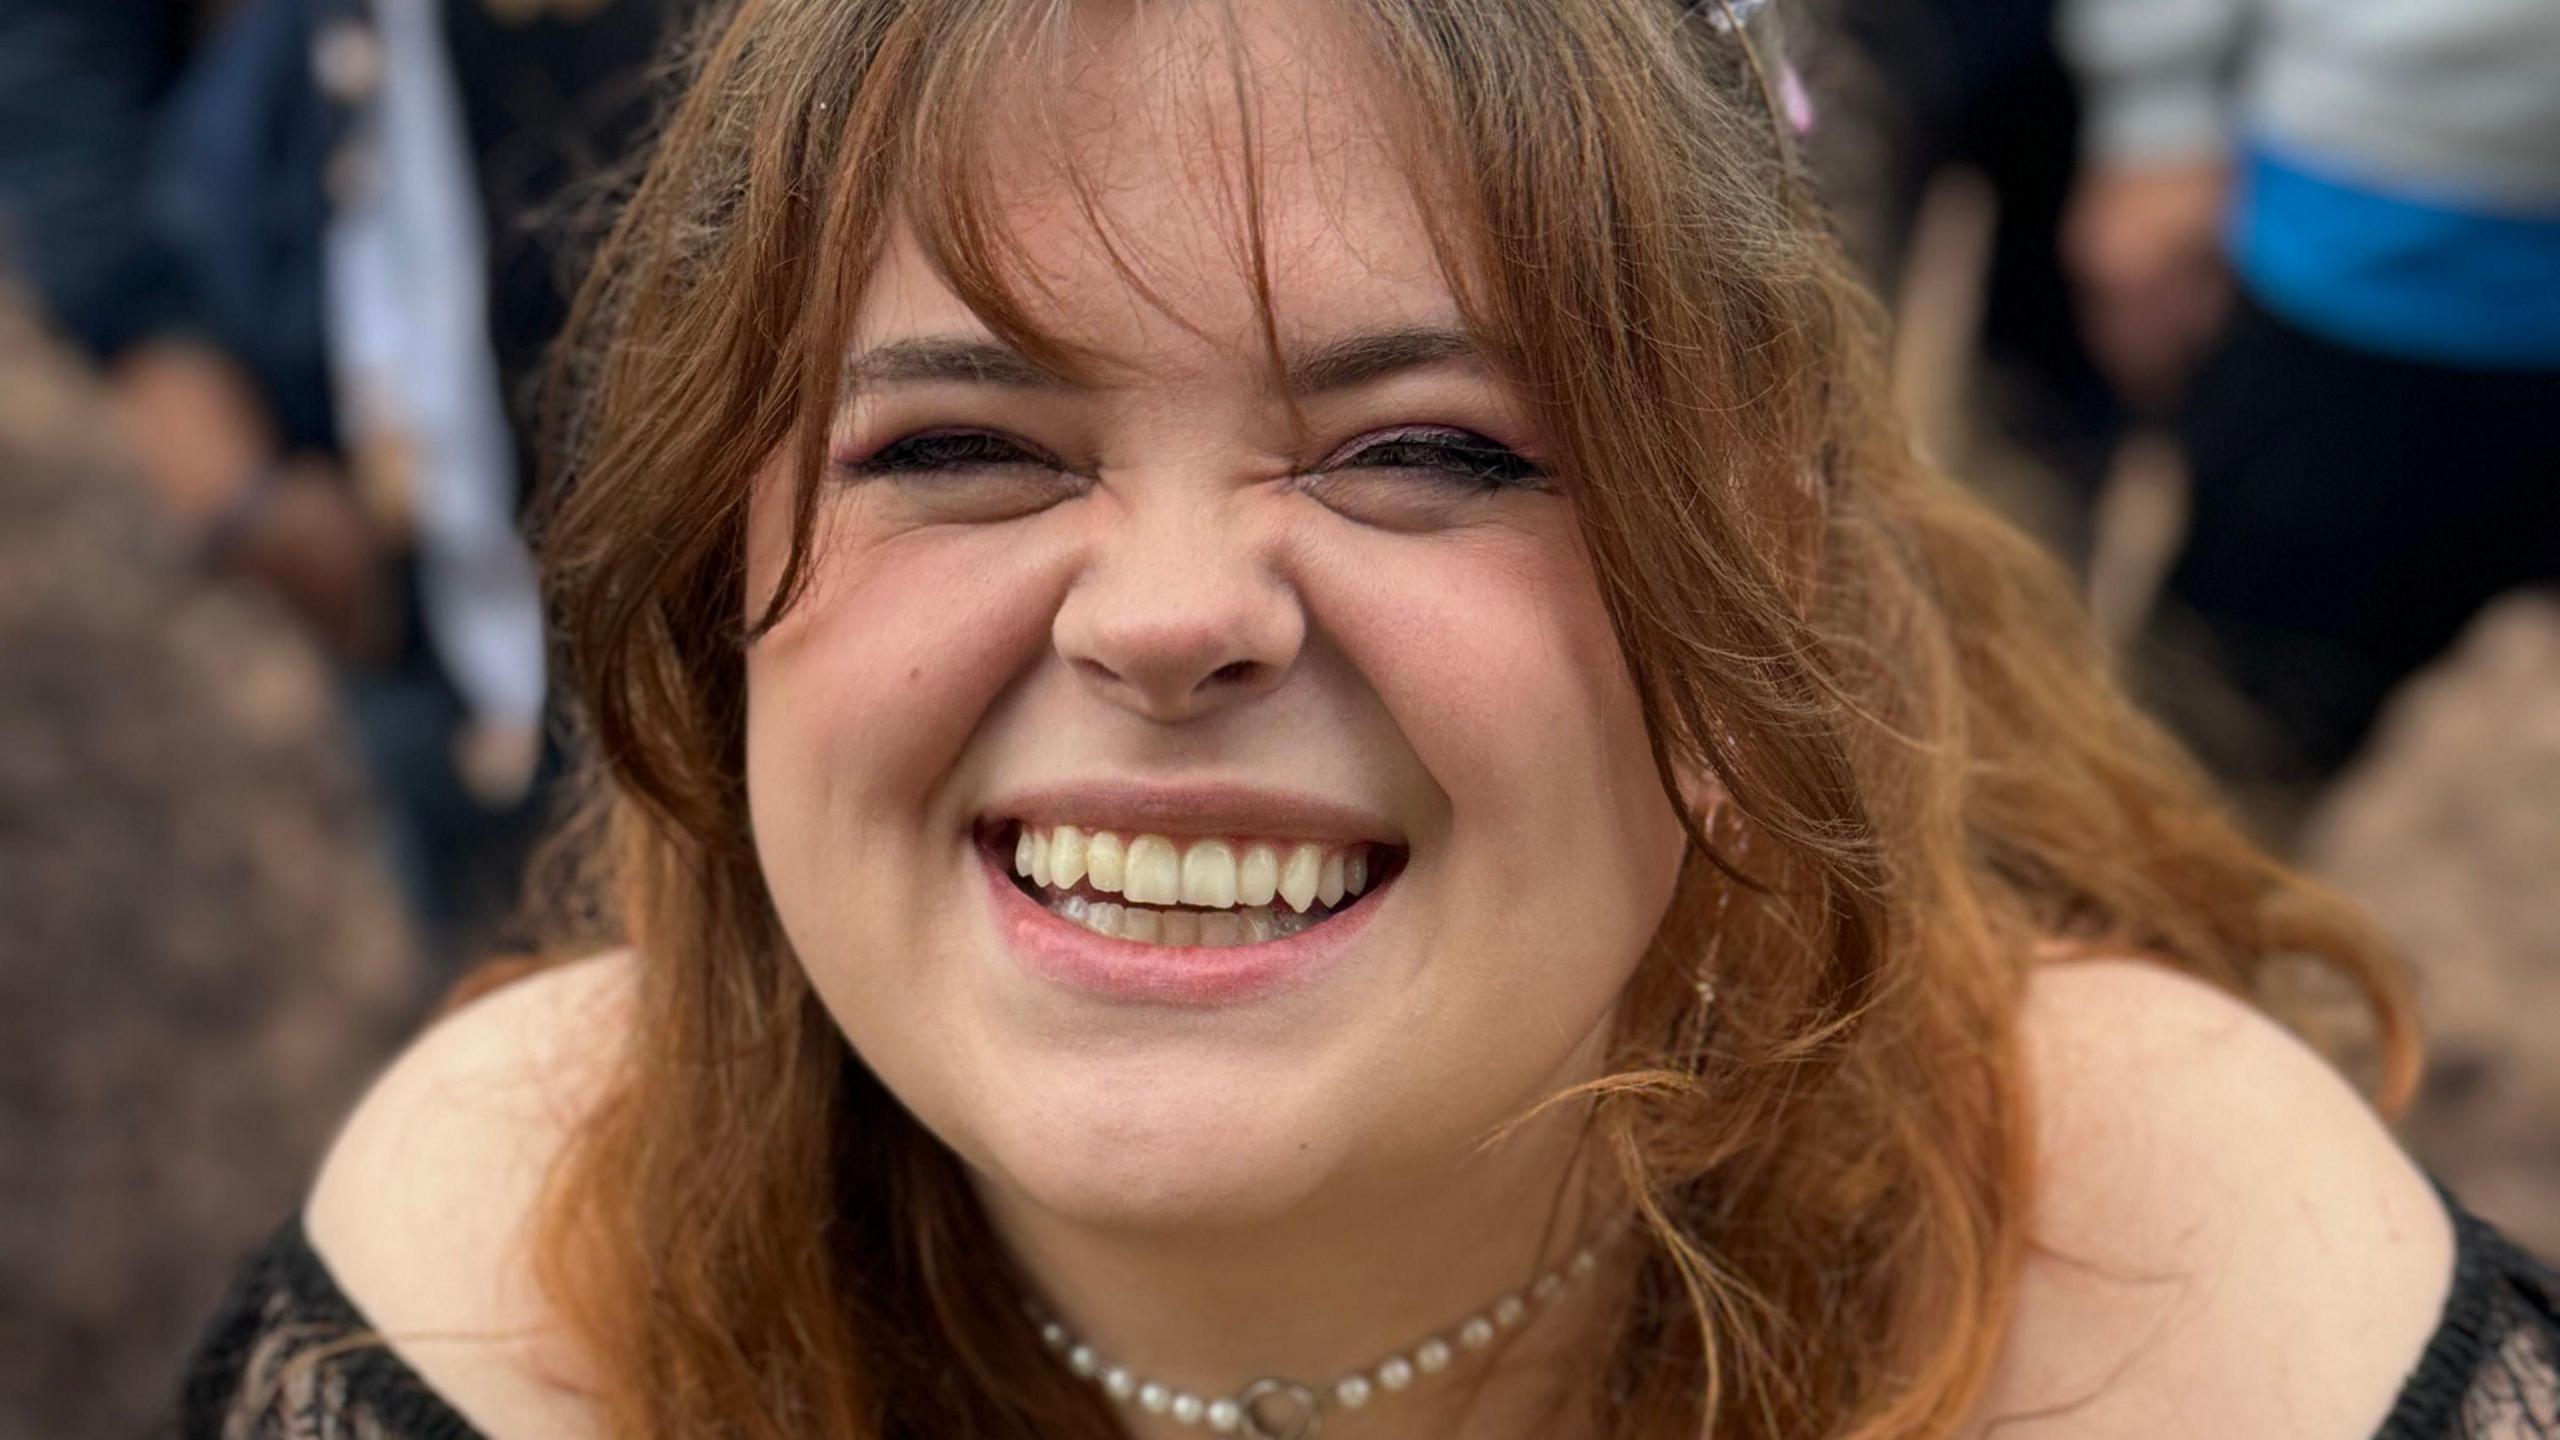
[409,346]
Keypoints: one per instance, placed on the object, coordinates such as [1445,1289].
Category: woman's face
[1187,664]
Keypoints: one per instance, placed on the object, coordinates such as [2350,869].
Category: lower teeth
[1212,928]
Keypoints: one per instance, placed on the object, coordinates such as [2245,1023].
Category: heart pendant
[1279,1410]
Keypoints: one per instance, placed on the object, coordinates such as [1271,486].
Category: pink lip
[1195,809]
[1189,976]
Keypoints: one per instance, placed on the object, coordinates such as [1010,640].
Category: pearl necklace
[1276,1408]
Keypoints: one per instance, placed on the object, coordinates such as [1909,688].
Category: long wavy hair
[1932,775]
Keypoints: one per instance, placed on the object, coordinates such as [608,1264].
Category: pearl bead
[1230,1415]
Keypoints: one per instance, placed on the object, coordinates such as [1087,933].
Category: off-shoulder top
[265,1368]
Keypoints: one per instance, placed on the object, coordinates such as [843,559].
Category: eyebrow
[930,358]
[1376,354]
[1333,365]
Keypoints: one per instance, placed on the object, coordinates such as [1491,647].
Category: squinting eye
[1461,455]
[962,477]
[937,451]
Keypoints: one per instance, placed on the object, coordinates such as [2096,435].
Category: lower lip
[1128,972]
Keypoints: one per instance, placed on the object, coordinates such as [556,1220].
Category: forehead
[1139,178]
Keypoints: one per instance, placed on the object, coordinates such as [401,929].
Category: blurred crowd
[2306,258]
[314,249]
[2250,307]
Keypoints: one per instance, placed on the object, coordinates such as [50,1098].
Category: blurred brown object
[204,441]
[201,960]
[2450,829]
[2145,244]
[196,424]
[525,12]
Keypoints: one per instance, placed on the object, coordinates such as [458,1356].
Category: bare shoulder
[420,1207]
[2227,1241]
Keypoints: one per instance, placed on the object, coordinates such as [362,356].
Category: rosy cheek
[1497,661]
[878,675]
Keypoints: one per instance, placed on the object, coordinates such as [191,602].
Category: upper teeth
[1212,874]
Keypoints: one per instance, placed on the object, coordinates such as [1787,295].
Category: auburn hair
[1937,777]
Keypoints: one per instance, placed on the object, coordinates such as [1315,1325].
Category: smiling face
[1195,668]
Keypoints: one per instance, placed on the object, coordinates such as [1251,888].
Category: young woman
[1286,746]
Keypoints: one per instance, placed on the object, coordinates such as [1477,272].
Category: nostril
[1231,673]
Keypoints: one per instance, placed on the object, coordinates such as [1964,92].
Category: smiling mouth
[1210,891]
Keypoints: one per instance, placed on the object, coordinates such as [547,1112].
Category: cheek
[861,702]
[1495,656]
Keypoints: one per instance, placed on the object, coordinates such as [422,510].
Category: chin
[1164,1194]
[1158,1117]
[1159,1143]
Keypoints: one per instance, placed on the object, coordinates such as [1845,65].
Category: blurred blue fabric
[80,85]
[238,191]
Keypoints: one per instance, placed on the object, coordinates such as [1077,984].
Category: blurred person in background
[2331,233]
[1976,89]
[283,243]
[308,269]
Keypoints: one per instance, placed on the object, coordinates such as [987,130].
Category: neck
[1344,1282]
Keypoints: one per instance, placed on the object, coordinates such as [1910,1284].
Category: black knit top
[265,1370]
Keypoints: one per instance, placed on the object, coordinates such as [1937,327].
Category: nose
[1179,618]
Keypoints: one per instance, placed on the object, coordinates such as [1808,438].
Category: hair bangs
[992,121]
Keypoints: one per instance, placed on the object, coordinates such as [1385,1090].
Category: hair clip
[1788,94]
[1728,15]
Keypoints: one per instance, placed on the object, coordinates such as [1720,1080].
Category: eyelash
[1461,455]
[937,451]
